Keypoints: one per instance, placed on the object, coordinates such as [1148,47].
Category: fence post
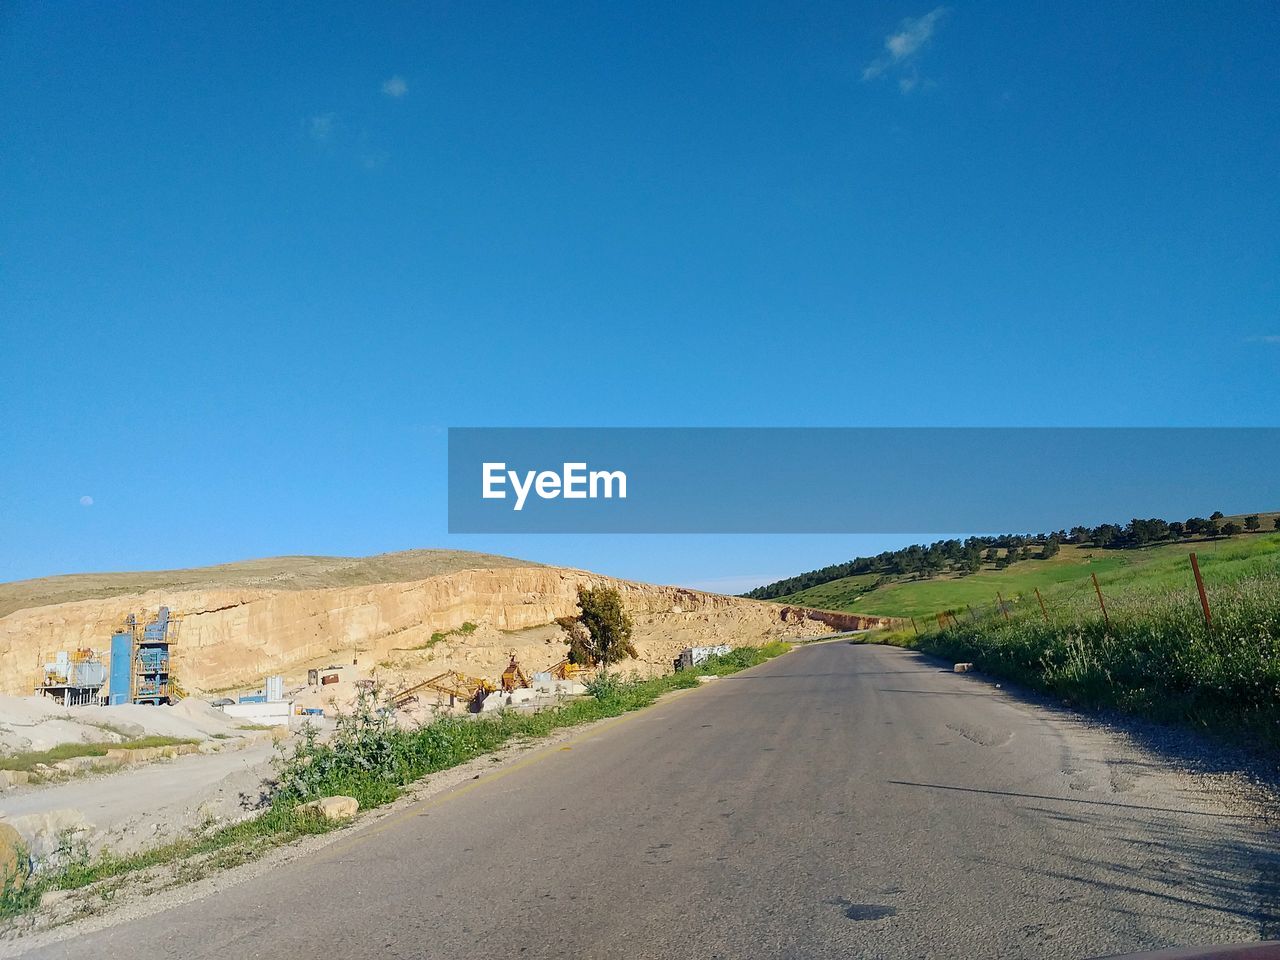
[972,616]
[1042,609]
[941,623]
[1003,608]
[1204,597]
[914,627]
[1102,603]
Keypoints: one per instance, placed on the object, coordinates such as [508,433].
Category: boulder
[47,835]
[14,863]
[330,808]
[13,778]
[963,667]
[76,765]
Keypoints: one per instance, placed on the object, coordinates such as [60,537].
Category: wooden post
[972,616]
[1204,597]
[1042,609]
[914,627]
[1003,608]
[1102,603]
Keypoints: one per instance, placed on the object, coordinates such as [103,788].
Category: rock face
[234,637]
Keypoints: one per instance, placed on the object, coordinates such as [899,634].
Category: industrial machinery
[456,686]
[514,676]
[567,670]
[74,679]
[141,661]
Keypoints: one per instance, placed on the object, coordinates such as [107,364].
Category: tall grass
[1157,657]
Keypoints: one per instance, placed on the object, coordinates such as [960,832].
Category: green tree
[1252,522]
[601,633]
[1231,528]
[1216,515]
[1276,523]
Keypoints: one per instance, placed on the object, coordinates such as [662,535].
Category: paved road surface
[840,801]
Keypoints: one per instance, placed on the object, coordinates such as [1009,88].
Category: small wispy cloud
[320,127]
[902,49]
[395,87]
[1267,338]
[86,501]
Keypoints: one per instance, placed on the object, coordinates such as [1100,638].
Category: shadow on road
[1082,800]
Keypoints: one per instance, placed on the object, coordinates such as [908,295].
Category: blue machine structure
[140,661]
[120,686]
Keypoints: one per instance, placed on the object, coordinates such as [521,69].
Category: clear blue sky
[253,261]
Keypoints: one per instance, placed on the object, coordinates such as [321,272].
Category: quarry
[136,709]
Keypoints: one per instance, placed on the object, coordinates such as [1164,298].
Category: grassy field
[1153,654]
[842,594]
[1162,565]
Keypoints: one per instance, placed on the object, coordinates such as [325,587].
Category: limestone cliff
[232,637]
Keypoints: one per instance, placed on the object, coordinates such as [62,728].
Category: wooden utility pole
[1204,597]
[1102,603]
[1042,609]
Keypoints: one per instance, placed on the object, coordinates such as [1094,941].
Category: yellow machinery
[514,676]
[567,670]
[456,686]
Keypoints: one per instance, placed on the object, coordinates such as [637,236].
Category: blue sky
[253,262]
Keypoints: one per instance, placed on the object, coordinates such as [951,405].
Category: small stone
[51,898]
[330,808]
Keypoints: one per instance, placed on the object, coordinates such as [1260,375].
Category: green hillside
[1068,571]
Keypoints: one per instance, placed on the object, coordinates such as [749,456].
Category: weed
[65,751]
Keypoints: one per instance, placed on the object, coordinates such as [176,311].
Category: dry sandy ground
[133,808]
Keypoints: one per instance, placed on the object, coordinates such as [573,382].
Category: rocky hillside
[274,573]
[233,636]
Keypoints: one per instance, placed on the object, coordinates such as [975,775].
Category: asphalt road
[839,801]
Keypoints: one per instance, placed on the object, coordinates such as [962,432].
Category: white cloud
[395,87]
[86,501]
[321,126]
[1269,338]
[901,49]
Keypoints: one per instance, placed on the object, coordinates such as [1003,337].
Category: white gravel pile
[37,723]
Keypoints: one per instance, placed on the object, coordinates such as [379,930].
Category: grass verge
[65,751]
[1153,655]
[372,759]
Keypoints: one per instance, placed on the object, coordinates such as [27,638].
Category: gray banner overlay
[850,480]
